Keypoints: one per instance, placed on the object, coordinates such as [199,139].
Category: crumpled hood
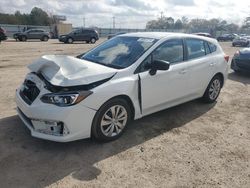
[61,70]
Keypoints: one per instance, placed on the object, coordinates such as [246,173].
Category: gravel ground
[191,145]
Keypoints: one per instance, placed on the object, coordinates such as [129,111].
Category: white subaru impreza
[97,94]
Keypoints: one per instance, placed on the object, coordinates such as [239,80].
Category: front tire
[23,38]
[111,120]
[70,40]
[213,90]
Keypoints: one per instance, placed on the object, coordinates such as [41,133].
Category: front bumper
[77,119]
[62,39]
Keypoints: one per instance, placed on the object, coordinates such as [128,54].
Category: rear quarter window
[212,47]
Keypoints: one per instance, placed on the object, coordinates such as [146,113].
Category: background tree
[37,16]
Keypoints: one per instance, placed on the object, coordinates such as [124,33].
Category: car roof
[161,35]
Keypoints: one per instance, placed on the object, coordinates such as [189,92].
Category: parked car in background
[32,34]
[227,37]
[203,34]
[2,34]
[115,34]
[241,61]
[88,35]
[240,41]
[64,98]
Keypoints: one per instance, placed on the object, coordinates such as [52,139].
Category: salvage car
[32,34]
[65,98]
[241,61]
[82,34]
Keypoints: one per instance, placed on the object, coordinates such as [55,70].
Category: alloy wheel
[114,121]
[214,89]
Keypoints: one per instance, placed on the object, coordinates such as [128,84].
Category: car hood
[245,51]
[61,70]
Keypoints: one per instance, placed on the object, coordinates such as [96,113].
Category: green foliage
[195,25]
[37,16]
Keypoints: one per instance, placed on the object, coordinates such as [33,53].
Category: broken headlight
[65,99]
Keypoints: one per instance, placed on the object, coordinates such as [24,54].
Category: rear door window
[207,49]
[212,47]
[195,48]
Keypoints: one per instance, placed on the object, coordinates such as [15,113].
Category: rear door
[201,65]
[31,34]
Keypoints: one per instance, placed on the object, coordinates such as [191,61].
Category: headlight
[65,99]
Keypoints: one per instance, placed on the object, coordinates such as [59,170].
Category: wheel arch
[127,99]
[221,76]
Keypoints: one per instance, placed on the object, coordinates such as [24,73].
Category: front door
[165,88]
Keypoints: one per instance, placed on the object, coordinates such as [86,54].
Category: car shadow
[39,162]
[240,77]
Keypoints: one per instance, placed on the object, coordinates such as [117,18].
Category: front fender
[122,86]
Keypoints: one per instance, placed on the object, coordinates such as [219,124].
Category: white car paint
[181,83]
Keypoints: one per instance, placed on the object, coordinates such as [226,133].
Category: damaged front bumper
[55,123]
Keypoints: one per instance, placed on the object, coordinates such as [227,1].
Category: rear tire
[93,40]
[45,38]
[213,90]
[111,120]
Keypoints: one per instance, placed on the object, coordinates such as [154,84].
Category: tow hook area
[56,128]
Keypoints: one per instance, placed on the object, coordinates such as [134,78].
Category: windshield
[119,52]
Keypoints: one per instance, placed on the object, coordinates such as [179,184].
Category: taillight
[226,57]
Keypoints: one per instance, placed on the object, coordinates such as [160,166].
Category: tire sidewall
[70,40]
[93,40]
[24,38]
[206,96]
[45,38]
[96,131]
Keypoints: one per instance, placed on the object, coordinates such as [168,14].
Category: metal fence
[103,32]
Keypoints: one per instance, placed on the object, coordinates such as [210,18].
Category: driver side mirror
[158,65]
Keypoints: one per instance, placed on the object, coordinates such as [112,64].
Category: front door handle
[184,71]
[211,64]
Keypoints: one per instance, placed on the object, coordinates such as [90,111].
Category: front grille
[29,92]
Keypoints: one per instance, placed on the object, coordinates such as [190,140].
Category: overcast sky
[132,13]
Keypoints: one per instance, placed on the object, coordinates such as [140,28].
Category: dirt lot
[191,145]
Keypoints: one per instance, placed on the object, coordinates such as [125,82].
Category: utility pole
[113,22]
[83,19]
[161,15]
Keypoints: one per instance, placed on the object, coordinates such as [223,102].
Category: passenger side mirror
[158,65]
